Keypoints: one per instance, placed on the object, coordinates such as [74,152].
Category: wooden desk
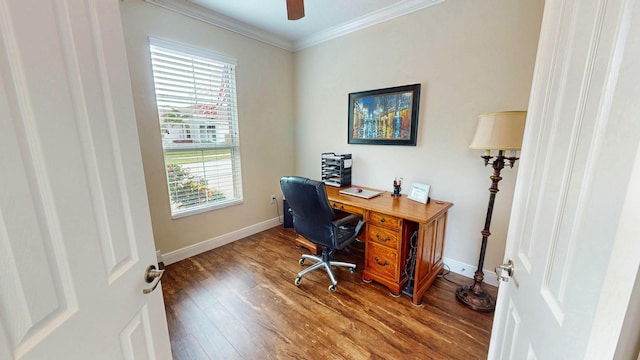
[390,224]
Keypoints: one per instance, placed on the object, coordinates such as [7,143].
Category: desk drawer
[346,208]
[383,236]
[385,220]
[382,261]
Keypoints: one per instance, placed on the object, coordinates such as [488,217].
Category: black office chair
[314,219]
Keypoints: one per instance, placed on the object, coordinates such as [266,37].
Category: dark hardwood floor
[239,302]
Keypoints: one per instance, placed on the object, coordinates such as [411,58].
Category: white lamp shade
[500,131]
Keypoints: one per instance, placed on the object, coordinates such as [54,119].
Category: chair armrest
[348,219]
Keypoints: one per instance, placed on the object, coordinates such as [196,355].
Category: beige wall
[471,57]
[265,111]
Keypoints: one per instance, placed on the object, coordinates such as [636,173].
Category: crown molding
[374,18]
[200,13]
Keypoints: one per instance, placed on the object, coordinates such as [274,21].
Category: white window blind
[196,98]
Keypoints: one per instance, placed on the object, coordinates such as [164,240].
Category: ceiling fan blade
[295,9]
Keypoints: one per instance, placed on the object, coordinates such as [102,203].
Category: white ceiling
[266,20]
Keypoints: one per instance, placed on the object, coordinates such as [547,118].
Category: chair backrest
[312,214]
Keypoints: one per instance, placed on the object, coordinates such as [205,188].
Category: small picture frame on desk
[419,193]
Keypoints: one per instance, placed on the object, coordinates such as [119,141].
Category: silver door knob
[151,274]
[508,268]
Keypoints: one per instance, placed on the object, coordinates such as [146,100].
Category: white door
[576,189]
[75,231]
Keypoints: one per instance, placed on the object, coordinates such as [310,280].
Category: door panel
[581,135]
[136,337]
[75,232]
[438,240]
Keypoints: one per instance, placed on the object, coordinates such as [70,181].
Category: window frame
[229,142]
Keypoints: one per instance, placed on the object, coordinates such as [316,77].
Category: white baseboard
[195,249]
[468,271]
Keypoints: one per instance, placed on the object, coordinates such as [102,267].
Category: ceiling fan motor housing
[295,9]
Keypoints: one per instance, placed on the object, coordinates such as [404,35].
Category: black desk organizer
[336,169]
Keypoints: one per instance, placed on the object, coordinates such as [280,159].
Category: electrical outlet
[273,199]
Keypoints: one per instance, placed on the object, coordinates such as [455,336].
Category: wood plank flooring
[239,302]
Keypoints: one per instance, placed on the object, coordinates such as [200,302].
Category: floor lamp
[501,131]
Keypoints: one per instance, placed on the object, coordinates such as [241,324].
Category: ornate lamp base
[476,297]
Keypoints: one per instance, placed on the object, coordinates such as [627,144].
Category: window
[196,97]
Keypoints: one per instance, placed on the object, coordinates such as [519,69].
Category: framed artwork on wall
[384,116]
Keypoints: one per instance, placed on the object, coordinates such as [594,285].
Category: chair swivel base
[320,263]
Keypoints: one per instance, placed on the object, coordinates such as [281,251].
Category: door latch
[150,275]
[508,267]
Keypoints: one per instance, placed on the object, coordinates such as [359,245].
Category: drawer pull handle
[385,263]
[381,239]
[381,219]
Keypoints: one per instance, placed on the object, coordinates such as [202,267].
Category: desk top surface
[396,206]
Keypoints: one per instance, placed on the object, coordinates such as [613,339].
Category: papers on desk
[363,193]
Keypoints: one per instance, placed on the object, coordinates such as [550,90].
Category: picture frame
[419,192]
[384,116]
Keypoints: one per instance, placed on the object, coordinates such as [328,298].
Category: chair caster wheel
[352,270]
[301,261]
[332,288]
[298,281]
